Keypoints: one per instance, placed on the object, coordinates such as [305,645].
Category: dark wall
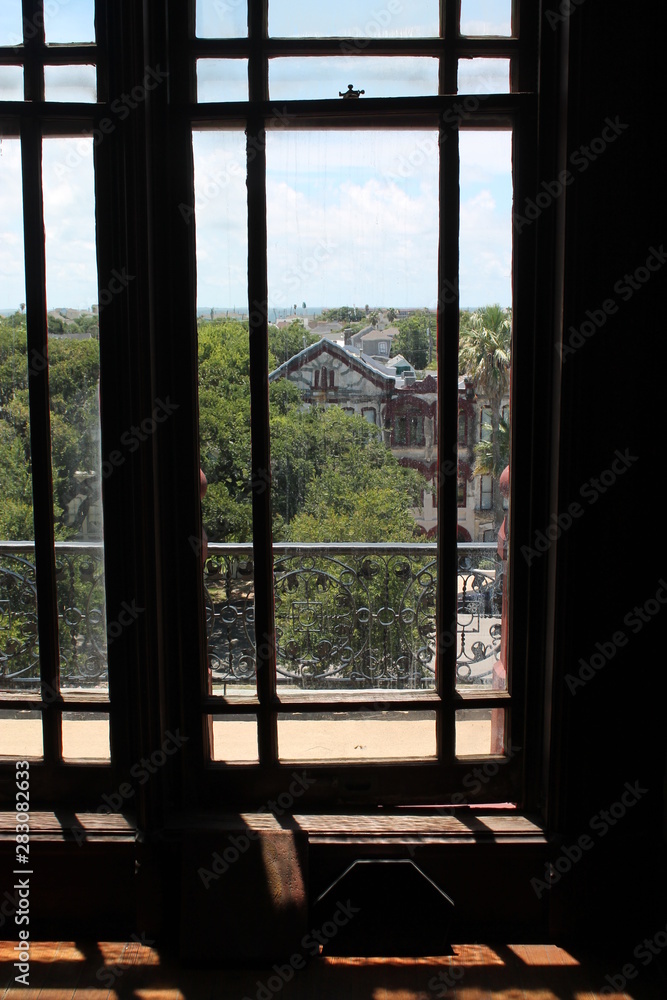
[612,559]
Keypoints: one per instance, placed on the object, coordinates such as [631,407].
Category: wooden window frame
[152,515]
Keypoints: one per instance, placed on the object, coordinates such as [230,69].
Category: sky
[352,216]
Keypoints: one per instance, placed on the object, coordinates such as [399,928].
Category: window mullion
[40,431]
[447,352]
[259,388]
[449,26]
[33,44]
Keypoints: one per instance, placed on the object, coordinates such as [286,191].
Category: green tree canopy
[484,355]
[416,340]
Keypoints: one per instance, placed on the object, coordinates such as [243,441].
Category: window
[485,425]
[416,430]
[253,110]
[57,629]
[485,492]
[291,671]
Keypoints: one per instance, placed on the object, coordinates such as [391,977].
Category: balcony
[347,616]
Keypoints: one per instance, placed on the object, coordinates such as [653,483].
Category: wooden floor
[104,971]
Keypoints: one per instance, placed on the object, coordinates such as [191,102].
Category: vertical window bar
[447,352]
[259,388]
[40,431]
[449,28]
[34,44]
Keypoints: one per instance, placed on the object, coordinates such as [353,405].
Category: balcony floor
[235,740]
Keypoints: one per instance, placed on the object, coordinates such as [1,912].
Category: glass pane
[21,734]
[19,652]
[11,83]
[336,736]
[222,18]
[480,732]
[11,31]
[70,21]
[224,405]
[85,737]
[354,19]
[484,76]
[486,17]
[235,739]
[484,369]
[313,78]
[70,83]
[222,80]
[72,297]
[352,244]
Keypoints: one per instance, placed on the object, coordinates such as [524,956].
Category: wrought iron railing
[353,616]
[347,615]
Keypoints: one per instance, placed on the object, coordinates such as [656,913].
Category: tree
[286,341]
[484,355]
[484,454]
[416,340]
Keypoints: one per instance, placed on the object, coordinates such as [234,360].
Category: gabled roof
[362,364]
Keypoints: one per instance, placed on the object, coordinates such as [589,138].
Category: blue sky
[352,218]
[352,215]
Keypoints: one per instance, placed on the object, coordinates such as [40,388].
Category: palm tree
[484,355]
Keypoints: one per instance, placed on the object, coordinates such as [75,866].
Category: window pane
[70,83]
[355,570]
[358,19]
[484,367]
[11,31]
[480,732]
[224,404]
[72,296]
[222,80]
[486,17]
[235,739]
[11,83]
[73,21]
[484,76]
[19,651]
[314,78]
[21,734]
[85,737]
[360,736]
[222,18]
